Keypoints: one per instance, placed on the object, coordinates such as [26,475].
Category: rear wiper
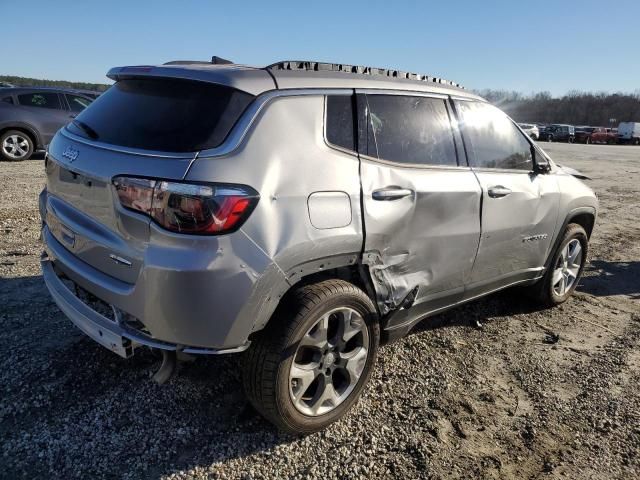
[93,135]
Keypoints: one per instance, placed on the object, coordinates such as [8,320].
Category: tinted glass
[340,121]
[494,140]
[162,114]
[40,99]
[77,103]
[414,130]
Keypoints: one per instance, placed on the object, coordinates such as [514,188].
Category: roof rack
[310,66]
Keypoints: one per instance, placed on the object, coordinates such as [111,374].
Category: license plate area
[117,344]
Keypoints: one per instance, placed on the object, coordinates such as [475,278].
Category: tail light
[201,209]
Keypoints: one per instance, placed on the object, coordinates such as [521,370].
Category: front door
[519,206]
[421,206]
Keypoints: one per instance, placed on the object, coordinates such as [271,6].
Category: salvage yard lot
[549,394]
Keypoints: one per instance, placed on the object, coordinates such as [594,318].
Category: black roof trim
[311,66]
[214,61]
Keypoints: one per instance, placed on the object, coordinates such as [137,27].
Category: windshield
[166,115]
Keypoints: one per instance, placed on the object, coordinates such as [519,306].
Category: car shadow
[483,310]
[84,403]
[604,278]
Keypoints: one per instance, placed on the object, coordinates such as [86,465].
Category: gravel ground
[448,401]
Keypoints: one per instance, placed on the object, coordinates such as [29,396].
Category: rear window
[339,125]
[162,114]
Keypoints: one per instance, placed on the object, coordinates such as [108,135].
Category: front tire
[312,361]
[15,146]
[565,269]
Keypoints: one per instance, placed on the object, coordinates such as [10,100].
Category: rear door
[519,206]
[47,111]
[421,204]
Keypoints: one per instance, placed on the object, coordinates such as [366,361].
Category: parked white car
[629,132]
[531,130]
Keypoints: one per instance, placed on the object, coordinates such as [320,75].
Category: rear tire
[15,146]
[295,378]
[564,271]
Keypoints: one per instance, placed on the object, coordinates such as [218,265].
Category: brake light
[188,208]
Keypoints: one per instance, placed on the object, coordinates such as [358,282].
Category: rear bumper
[108,333]
[200,300]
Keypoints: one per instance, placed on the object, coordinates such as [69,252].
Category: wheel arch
[27,130]
[583,216]
[586,219]
[347,267]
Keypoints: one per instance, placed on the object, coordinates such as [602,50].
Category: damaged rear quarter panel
[285,158]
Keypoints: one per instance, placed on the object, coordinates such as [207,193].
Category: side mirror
[540,163]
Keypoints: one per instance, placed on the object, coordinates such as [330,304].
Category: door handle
[498,191]
[391,193]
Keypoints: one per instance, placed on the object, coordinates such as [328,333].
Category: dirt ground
[509,400]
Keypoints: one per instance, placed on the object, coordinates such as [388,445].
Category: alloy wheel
[329,361]
[15,147]
[567,268]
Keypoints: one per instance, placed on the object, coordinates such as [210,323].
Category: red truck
[597,135]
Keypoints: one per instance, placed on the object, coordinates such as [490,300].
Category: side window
[410,129]
[339,127]
[495,142]
[41,100]
[77,103]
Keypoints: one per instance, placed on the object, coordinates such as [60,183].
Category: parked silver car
[303,212]
[530,129]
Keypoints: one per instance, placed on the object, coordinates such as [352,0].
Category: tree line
[574,108]
[39,82]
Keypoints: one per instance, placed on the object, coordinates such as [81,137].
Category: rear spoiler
[251,80]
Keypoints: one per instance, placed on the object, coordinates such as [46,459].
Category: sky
[526,46]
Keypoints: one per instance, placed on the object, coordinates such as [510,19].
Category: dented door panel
[427,239]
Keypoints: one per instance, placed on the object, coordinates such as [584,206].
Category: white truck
[629,132]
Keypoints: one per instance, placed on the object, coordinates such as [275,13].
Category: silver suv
[303,212]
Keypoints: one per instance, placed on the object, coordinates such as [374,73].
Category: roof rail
[310,66]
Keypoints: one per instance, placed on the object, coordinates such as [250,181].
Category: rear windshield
[162,114]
